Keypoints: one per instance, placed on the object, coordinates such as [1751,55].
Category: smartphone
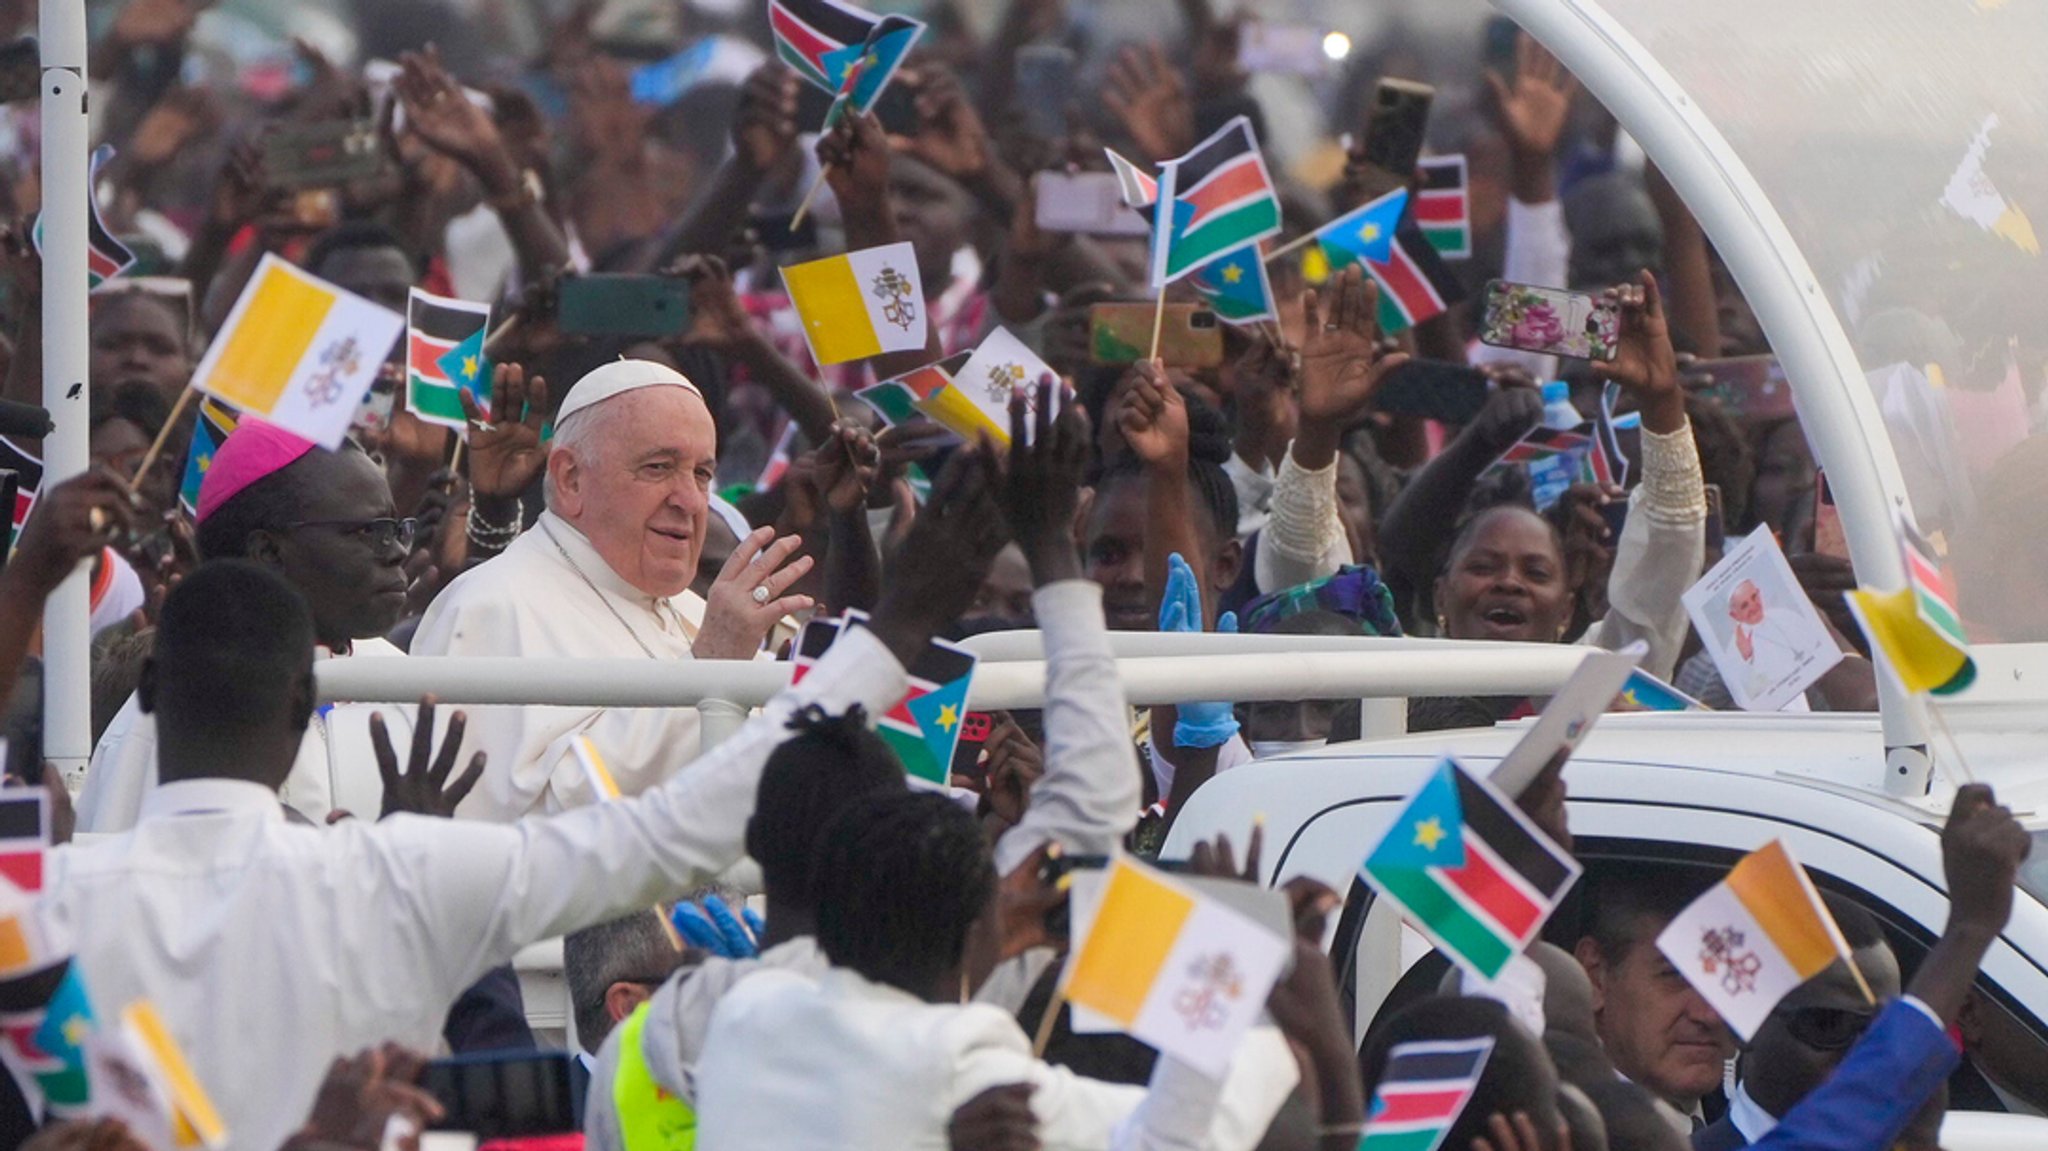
[1085,203]
[974,732]
[1752,389]
[1434,390]
[772,232]
[896,107]
[325,154]
[1044,84]
[21,70]
[1549,321]
[624,305]
[1502,34]
[315,209]
[1615,513]
[1189,335]
[1395,127]
[1828,537]
[374,413]
[1283,49]
[1717,527]
[503,1094]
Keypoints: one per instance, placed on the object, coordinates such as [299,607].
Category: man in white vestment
[605,573]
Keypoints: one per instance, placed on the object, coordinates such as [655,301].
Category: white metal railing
[1237,668]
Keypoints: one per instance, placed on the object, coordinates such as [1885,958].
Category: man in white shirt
[879,1052]
[324,521]
[272,948]
[606,573]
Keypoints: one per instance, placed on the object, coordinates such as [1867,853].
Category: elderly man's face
[1746,604]
[640,489]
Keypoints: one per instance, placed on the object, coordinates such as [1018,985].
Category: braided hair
[828,764]
[899,880]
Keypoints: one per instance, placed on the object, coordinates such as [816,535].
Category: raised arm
[1089,796]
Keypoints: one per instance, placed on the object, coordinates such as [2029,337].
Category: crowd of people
[318,896]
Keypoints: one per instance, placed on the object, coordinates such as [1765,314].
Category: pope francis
[605,573]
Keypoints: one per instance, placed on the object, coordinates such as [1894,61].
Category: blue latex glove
[713,928]
[1180,610]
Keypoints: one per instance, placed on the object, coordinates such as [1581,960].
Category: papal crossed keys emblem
[1216,981]
[1722,952]
[337,360]
[1003,380]
[899,300]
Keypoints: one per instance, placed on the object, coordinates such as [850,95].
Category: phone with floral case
[1549,321]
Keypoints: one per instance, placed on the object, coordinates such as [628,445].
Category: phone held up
[1189,335]
[1549,321]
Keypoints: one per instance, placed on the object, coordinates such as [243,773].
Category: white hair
[582,437]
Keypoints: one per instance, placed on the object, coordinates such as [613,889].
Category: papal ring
[761,593]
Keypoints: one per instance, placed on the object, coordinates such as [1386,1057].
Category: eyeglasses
[378,533]
[1826,1028]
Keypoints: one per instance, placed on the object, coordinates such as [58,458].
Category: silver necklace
[601,597]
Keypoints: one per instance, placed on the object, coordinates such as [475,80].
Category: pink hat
[253,450]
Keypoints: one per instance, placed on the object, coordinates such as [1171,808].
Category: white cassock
[551,596]
[336,769]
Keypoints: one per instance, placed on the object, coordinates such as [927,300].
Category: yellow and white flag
[1753,937]
[298,351]
[860,304]
[596,775]
[149,1072]
[1000,366]
[1173,967]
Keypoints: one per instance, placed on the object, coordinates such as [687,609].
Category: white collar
[583,557]
[210,796]
[1748,1116]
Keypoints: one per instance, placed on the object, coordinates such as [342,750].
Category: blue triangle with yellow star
[1429,832]
[1236,287]
[466,368]
[1365,233]
[939,714]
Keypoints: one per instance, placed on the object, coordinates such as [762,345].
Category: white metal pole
[67,714]
[1835,406]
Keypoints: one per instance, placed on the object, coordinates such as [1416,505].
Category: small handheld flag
[1140,190]
[45,1022]
[28,478]
[298,351]
[1422,1092]
[1443,208]
[195,1121]
[105,256]
[820,39]
[1216,199]
[1415,283]
[923,727]
[1754,937]
[216,420]
[860,304]
[1918,627]
[871,65]
[779,459]
[24,836]
[595,773]
[1173,967]
[1469,870]
[1645,692]
[444,356]
[935,391]
[1000,366]
[1236,287]
[1365,233]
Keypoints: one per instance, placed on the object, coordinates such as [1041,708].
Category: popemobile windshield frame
[1835,405]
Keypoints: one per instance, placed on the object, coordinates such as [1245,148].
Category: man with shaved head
[606,574]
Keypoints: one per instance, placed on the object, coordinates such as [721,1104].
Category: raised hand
[1153,418]
[1343,362]
[362,1096]
[717,320]
[845,468]
[749,596]
[441,116]
[1268,383]
[1644,364]
[1042,484]
[950,135]
[179,117]
[1982,847]
[423,787]
[998,1119]
[940,566]
[764,126]
[1014,764]
[855,154]
[70,524]
[1147,94]
[608,125]
[1533,109]
[505,449]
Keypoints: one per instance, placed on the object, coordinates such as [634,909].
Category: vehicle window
[2034,872]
